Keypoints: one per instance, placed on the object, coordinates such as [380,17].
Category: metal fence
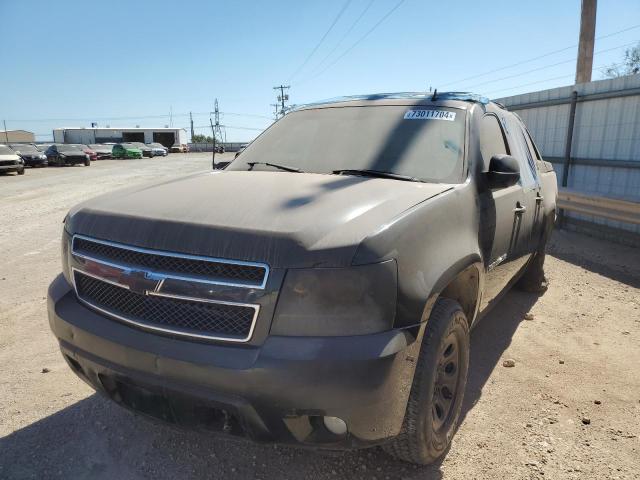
[208,147]
[591,134]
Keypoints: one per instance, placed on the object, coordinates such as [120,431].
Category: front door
[505,229]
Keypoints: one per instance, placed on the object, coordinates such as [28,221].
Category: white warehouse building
[165,136]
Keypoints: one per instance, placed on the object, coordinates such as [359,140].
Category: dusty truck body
[328,302]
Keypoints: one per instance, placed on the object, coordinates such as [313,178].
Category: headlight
[43,157]
[337,301]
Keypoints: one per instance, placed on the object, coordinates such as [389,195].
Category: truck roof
[458,99]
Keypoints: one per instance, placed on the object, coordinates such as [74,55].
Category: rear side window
[491,139]
[534,149]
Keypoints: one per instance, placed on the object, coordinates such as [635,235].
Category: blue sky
[127,63]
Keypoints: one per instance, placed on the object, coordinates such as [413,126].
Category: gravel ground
[570,408]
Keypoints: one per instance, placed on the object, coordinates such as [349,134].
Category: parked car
[102,151]
[10,161]
[146,151]
[60,154]
[31,156]
[331,307]
[241,149]
[93,155]
[179,148]
[125,150]
[158,149]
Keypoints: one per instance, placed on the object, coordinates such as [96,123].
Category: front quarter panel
[432,242]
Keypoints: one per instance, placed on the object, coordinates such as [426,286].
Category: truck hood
[284,219]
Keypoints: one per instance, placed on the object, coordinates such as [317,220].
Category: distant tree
[629,66]
[201,139]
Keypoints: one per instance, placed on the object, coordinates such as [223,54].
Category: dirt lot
[577,362]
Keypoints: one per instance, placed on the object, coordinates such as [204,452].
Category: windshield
[95,146]
[425,143]
[24,148]
[69,148]
[4,150]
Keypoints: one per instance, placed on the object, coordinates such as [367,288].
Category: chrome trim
[497,262]
[146,326]
[174,255]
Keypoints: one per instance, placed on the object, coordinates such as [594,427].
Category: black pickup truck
[320,290]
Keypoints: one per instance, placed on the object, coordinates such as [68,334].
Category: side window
[532,147]
[528,152]
[492,141]
[518,140]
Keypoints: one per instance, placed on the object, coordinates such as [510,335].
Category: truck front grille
[216,270]
[193,318]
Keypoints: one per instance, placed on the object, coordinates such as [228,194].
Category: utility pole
[587,40]
[218,128]
[283,97]
[171,116]
[6,134]
[191,120]
[213,156]
[275,110]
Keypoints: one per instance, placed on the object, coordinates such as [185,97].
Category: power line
[231,127]
[571,60]
[335,20]
[140,117]
[346,34]
[356,43]
[447,84]
[550,79]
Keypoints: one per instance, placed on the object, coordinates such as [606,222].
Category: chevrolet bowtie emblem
[138,281]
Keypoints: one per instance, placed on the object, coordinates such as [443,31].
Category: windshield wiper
[275,165]
[376,173]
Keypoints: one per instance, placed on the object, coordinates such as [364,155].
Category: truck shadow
[94,438]
[490,339]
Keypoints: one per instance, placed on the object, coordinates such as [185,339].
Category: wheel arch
[463,283]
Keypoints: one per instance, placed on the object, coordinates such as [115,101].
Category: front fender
[432,242]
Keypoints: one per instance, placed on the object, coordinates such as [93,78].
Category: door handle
[519,210]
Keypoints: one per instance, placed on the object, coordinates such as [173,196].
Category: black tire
[433,409]
[87,163]
[21,171]
[533,279]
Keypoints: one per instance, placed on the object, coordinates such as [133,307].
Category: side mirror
[504,171]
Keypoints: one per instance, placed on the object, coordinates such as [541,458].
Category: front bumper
[35,161]
[276,392]
[11,167]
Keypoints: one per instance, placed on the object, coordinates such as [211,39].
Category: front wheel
[434,405]
[21,171]
[87,163]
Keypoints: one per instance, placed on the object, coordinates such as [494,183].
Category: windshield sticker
[430,115]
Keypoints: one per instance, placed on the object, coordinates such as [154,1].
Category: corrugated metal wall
[605,151]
